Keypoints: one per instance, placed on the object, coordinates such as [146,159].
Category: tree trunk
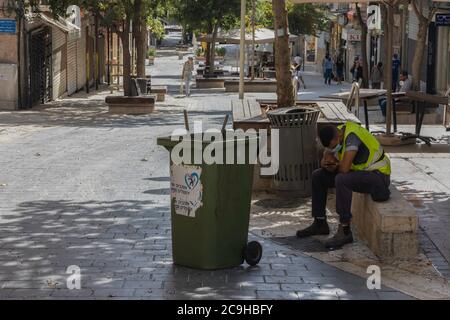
[125,37]
[385,57]
[141,48]
[208,54]
[389,42]
[96,53]
[364,32]
[419,53]
[139,33]
[285,88]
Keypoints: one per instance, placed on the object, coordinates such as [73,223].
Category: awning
[65,26]
[262,36]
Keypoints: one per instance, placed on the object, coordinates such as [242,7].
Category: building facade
[43,58]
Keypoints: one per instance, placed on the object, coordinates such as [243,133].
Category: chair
[354,96]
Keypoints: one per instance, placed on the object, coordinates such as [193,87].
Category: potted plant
[151,56]
[200,54]
[220,53]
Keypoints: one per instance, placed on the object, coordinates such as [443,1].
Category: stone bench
[252,85]
[390,229]
[210,83]
[160,92]
[131,105]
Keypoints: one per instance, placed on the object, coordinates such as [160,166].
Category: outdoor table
[364,95]
[417,97]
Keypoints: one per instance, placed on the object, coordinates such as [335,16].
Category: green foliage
[151,52]
[199,52]
[203,15]
[307,19]
[263,14]
[221,51]
[156,27]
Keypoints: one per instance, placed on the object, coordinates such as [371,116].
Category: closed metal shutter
[59,63]
[413,26]
[71,67]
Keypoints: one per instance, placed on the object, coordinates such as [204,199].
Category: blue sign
[7,26]
[443,19]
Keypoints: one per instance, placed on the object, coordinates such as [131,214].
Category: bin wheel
[253,253]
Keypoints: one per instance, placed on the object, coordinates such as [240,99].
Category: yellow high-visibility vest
[377,160]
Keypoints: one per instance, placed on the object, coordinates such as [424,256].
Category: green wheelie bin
[210,209]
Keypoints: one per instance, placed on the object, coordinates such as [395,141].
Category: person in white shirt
[298,60]
[188,68]
[405,85]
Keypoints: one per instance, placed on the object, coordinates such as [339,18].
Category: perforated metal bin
[298,149]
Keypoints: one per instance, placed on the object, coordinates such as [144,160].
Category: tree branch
[360,19]
[416,10]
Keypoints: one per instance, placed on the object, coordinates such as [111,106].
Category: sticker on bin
[186,189]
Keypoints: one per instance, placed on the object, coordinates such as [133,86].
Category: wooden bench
[160,92]
[248,114]
[390,229]
[131,105]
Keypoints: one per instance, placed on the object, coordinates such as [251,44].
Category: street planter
[131,105]
[210,83]
[258,85]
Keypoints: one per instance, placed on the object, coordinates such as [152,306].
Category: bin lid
[293,110]
[293,117]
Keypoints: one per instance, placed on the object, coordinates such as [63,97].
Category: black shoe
[339,239]
[318,227]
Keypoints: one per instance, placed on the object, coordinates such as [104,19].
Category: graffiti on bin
[186,189]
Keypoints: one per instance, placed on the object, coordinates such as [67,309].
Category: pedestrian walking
[340,69]
[396,64]
[188,69]
[328,68]
[357,71]
[297,77]
[376,75]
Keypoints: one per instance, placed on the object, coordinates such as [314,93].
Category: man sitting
[405,85]
[353,161]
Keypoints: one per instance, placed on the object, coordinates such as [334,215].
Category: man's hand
[329,162]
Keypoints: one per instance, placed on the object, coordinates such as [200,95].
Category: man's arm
[346,164]
[352,144]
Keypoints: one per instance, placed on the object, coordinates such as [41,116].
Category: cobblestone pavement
[88,189]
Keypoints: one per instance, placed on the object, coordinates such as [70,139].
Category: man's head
[395,56]
[403,75]
[330,137]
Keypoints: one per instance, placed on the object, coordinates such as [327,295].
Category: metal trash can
[298,149]
[210,210]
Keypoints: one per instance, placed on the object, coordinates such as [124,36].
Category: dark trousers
[345,184]
[383,105]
